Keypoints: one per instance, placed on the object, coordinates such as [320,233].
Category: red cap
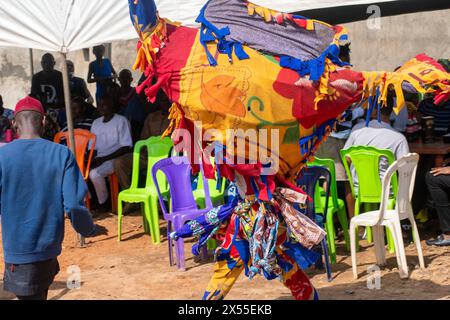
[29,104]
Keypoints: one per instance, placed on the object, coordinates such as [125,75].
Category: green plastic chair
[217,196]
[335,206]
[157,149]
[366,160]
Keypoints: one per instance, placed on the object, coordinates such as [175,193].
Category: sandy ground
[137,269]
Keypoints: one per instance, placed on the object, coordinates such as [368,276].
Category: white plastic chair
[406,168]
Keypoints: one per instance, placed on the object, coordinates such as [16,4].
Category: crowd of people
[121,118]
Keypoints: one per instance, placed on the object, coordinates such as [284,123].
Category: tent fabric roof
[69,25]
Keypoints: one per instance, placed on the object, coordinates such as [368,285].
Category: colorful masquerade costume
[252,68]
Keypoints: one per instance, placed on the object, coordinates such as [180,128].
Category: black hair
[48,55]
[80,101]
[96,48]
[344,52]
[390,99]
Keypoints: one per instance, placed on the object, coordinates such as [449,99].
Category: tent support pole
[68,100]
[31,62]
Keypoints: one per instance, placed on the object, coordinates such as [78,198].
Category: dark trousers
[439,188]
[30,281]
[41,295]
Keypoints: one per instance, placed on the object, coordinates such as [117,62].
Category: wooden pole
[67,99]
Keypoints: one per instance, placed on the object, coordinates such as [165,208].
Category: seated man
[155,124]
[113,141]
[80,120]
[381,136]
[438,183]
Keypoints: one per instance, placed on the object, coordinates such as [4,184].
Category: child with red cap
[39,181]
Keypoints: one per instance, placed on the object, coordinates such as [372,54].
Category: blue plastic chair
[308,180]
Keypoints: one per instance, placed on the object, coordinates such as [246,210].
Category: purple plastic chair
[183,206]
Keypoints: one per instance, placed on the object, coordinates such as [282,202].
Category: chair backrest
[406,168]
[307,180]
[84,139]
[366,162]
[157,148]
[329,164]
[178,174]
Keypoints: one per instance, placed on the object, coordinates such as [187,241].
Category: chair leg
[154,213]
[355,230]
[145,222]
[342,216]
[179,247]
[395,228]
[353,245]
[156,238]
[119,220]
[327,260]
[369,236]
[331,235]
[390,239]
[169,241]
[378,233]
[417,242]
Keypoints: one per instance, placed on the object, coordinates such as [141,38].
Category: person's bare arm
[90,99]
[90,77]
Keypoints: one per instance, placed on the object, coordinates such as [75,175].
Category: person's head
[29,117]
[106,106]
[99,51]
[386,111]
[1,105]
[125,78]
[344,53]
[78,107]
[48,62]
[70,68]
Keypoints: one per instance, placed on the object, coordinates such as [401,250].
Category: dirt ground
[137,269]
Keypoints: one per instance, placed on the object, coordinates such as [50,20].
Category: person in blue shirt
[101,72]
[39,182]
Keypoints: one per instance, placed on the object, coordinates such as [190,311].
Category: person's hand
[440,171]
[90,100]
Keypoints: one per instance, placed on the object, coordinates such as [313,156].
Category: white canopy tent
[69,25]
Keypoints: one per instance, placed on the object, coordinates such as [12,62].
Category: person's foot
[440,241]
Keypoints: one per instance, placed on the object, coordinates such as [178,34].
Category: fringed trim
[309,144]
[175,117]
[210,33]
[270,15]
[150,45]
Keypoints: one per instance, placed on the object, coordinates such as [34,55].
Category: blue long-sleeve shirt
[39,181]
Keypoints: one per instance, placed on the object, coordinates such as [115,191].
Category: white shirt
[111,135]
[381,136]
